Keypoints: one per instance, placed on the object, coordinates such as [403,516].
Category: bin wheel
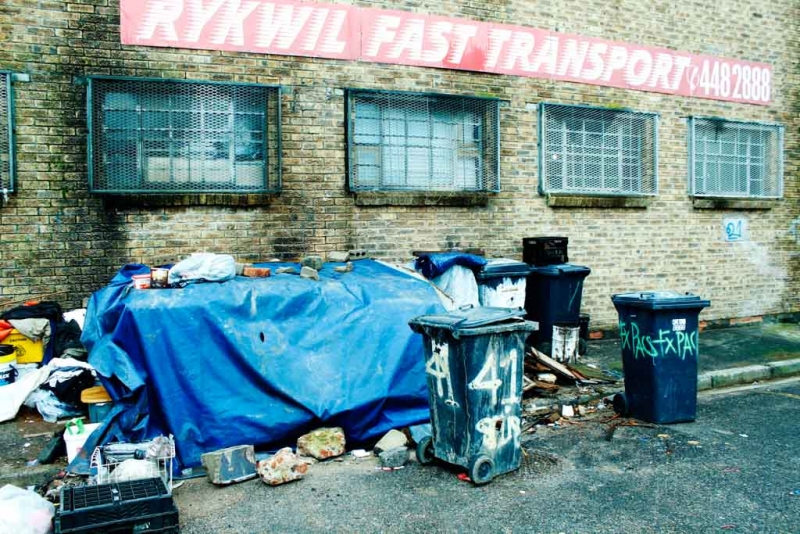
[425,454]
[481,470]
[620,403]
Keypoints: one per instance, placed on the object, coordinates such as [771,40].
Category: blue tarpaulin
[260,360]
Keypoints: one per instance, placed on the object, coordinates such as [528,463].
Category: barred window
[7,167]
[168,136]
[420,142]
[735,159]
[597,151]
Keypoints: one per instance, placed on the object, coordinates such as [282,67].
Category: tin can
[160,277]
[141,281]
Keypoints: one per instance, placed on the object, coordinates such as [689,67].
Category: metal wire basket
[119,462]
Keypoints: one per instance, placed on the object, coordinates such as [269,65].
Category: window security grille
[597,151]
[155,136]
[6,134]
[420,142]
[735,159]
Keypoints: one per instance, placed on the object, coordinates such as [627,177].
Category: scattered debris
[396,457]
[227,466]
[795,493]
[464,477]
[663,436]
[314,262]
[283,467]
[308,272]
[582,411]
[322,443]
[744,435]
[286,270]
[553,365]
[550,378]
[346,268]
[731,470]
[567,411]
[729,526]
[360,453]
[391,440]
[693,443]
[338,257]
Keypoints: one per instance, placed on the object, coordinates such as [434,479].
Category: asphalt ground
[736,469]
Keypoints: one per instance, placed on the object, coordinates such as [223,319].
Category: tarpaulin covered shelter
[260,360]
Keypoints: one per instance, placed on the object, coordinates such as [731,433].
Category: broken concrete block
[286,270]
[322,443]
[338,257]
[346,268]
[315,262]
[567,411]
[283,467]
[226,466]
[308,272]
[357,254]
[396,457]
[391,440]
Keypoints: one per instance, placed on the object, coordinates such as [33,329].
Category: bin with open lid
[659,338]
[502,283]
[474,366]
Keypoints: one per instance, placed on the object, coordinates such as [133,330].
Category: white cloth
[12,396]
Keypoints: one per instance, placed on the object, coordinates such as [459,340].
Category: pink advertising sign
[381,36]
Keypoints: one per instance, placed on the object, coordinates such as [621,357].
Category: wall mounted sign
[382,36]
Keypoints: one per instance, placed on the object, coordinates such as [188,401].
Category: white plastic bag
[24,512]
[203,266]
[459,283]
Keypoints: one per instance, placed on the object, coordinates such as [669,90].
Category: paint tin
[159,277]
[565,343]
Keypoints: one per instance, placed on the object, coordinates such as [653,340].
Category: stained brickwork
[60,242]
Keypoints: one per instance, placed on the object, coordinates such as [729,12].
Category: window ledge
[586,201]
[189,199]
[707,203]
[421,198]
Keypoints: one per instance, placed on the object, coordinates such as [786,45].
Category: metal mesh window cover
[7,170]
[422,142]
[170,137]
[597,151]
[735,159]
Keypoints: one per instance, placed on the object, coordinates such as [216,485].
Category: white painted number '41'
[488,380]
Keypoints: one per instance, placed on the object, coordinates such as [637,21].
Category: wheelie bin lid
[502,267]
[659,300]
[561,269]
[472,320]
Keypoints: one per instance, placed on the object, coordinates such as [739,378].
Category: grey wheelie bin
[659,338]
[474,366]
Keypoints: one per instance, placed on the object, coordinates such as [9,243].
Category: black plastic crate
[540,251]
[116,507]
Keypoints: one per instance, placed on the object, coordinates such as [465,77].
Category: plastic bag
[460,285]
[24,512]
[49,407]
[203,267]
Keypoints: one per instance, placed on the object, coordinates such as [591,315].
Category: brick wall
[60,242]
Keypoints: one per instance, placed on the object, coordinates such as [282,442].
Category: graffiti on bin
[438,366]
[675,342]
[499,430]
